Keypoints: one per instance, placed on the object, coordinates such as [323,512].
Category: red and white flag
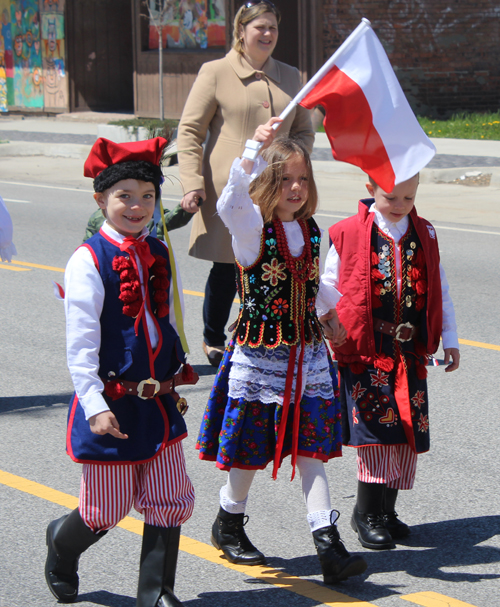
[368,120]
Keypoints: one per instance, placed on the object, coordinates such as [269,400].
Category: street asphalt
[451,559]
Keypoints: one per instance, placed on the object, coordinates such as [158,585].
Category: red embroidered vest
[356,240]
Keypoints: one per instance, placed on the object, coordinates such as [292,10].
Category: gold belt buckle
[402,326]
[150,382]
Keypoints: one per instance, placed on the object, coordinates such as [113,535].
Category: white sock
[234,495]
[322,518]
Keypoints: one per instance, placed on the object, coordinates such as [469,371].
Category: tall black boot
[160,547]
[67,537]
[368,517]
[396,528]
[336,563]
[228,535]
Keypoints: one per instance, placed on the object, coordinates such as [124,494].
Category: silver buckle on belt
[151,382]
[399,328]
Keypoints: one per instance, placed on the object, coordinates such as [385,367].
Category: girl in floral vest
[275,393]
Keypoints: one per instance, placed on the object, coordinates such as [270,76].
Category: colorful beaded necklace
[299,267]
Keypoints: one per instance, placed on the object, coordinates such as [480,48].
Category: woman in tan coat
[229,99]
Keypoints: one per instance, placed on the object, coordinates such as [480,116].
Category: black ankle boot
[336,563]
[67,537]
[229,536]
[160,547]
[396,528]
[368,517]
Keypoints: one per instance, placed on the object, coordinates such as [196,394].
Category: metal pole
[160,68]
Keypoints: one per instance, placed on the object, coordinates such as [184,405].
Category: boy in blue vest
[395,307]
[124,331]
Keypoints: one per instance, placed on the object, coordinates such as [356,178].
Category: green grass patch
[460,126]
[464,126]
[155,126]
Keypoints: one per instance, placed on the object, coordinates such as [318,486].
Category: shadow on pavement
[17,403]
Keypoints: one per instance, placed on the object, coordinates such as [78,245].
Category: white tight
[312,475]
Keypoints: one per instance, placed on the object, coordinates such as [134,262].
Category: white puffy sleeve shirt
[83,303]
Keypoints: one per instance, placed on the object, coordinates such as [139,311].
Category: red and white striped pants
[393,465]
[159,489]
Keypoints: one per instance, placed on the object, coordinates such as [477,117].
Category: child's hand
[192,201]
[106,423]
[334,331]
[454,353]
[265,133]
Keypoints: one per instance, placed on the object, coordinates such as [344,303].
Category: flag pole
[354,35]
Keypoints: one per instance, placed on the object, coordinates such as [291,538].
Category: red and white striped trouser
[159,489]
[394,465]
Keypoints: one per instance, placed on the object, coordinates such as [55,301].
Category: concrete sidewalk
[55,149]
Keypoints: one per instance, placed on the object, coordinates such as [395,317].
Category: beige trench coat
[229,100]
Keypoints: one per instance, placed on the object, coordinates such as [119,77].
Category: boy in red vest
[124,332]
[394,304]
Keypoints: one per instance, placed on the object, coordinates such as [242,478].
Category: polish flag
[368,120]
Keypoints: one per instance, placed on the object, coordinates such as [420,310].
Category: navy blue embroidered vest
[410,307]
[150,424]
[274,304]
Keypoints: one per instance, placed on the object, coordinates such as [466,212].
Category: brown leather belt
[149,388]
[402,332]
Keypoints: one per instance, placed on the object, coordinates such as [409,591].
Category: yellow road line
[434,599]
[275,577]
[479,344]
[37,265]
[4,266]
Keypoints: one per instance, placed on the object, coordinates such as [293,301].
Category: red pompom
[128,296]
[420,303]
[132,309]
[377,274]
[161,283]
[358,368]
[162,310]
[128,275]
[114,389]
[161,261]
[187,373]
[120,263]
[375,259]
[384,363]
[421,287]
[160,296]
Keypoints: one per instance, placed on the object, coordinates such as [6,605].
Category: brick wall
[446,53]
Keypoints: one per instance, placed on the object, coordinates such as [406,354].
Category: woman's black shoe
[228,535]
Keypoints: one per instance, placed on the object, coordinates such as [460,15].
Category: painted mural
[25,30]
[32,55]
[53,53]
[195,24]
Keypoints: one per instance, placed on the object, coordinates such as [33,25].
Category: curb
[54,150]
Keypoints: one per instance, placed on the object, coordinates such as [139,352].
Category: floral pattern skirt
[239,433]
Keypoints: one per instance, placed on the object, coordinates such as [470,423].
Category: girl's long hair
[265,191]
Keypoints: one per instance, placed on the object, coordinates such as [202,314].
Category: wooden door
[100,55]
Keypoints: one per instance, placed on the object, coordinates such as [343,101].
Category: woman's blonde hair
[245,15]
[265,191]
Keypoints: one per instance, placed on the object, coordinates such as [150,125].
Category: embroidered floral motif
[314,273]
[279,307]
[379,378]
[354,416]
[418,400]
[274,271]
[423,423]
[357,391]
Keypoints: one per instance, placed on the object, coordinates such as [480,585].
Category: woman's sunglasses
[251,3]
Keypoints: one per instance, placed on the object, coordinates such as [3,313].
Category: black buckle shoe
[371,530]
[228,535]
[336,563]
[394,526]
